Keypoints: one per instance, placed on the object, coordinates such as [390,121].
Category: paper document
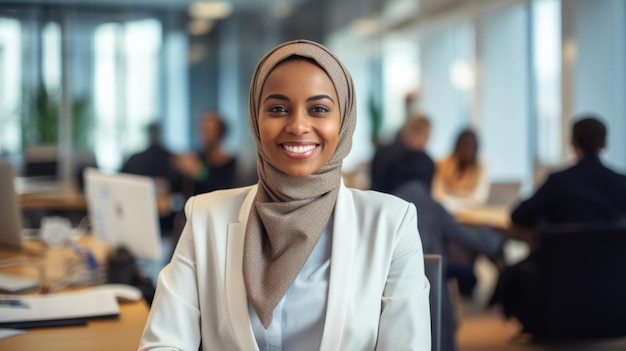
[6,333]
[79,304]
[12,283]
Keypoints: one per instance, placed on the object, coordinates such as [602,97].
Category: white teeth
[299,149]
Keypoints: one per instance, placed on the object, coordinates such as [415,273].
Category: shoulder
[218,202]
[376,204]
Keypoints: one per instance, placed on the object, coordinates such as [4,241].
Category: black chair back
[583,277]
[433,267]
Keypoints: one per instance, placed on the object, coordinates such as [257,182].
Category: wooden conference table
[121,333]
[496,217]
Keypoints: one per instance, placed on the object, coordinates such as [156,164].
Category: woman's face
[299,117]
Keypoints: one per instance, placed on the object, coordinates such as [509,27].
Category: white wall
[504,60]
[599,76]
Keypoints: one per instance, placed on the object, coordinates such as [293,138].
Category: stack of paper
[54,307]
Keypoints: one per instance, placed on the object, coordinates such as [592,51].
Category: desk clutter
[74,262]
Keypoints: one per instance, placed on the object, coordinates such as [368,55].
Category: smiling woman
[299,118]
[252,269]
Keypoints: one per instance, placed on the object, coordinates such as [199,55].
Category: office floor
[486,330]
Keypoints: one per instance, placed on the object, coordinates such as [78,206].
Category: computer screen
[10,214]
[123,211]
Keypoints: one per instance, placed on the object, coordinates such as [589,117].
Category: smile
[299,149]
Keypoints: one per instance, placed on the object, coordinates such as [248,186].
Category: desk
[67,198]
[497,217]
[122,333]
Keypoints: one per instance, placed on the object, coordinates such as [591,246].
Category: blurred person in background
[461,182]
[157,162]
[406,170]
[405,158]
[213,167]
[587,192]
[461,178]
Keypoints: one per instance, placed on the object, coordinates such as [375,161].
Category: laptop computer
[123,211]
[10,214]
[504,193]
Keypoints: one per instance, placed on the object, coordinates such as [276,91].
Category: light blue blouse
[298,319]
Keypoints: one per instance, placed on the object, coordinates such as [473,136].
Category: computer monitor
[10,214]
[123,211]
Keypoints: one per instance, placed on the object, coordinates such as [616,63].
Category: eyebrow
[312,98]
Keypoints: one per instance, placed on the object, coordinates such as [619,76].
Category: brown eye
[277,109]
[319,109]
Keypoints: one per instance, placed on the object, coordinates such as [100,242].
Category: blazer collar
[342,253]
[236,296]
[341,268]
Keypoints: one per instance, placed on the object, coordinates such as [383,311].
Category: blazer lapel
[236,297]
[340,269]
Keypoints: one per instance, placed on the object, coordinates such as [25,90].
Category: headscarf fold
[289,214]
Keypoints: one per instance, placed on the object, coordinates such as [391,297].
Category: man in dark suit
[587,192]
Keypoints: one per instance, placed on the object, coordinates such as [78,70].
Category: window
[126,87]
[546,75]
[10,78]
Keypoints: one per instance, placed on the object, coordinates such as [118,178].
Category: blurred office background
[86,76]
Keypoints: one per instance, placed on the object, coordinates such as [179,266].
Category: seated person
[156,161]
[409,174]
[438,227]
[587,192]
[461,182]
[461,178]
[404,158]
[212,167]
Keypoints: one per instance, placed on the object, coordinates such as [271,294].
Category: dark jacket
[586,192]
[395,164]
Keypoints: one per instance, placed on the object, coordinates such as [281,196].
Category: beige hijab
[289,214]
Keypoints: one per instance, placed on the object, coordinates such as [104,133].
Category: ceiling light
[210,9]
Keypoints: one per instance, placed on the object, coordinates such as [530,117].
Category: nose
[299,123]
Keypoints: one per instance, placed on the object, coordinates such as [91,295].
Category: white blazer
[378,293]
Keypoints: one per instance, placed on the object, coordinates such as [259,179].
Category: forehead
[298,72]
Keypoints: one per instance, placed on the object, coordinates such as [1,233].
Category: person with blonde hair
[404,159]
[297,261]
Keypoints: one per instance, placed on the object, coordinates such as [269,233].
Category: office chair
[582,276]
[433,267]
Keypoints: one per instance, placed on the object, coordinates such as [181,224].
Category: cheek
[267,131]
[331,132]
